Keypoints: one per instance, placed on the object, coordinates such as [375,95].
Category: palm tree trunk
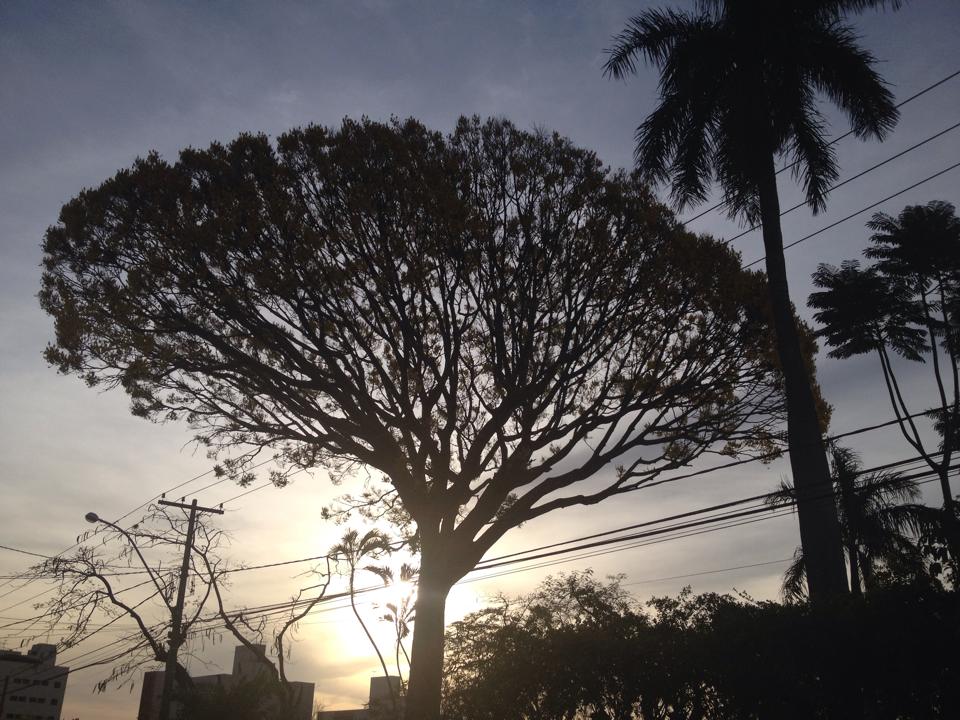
[816,510]
[855,587]
[850,526]
[376,648]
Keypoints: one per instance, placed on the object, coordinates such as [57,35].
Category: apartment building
[246,667]
[32,685]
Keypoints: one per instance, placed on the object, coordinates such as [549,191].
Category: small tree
[279,696]
[353,550]
[906,305]
[880,522]
[401,613]
[93,585]
[488,319]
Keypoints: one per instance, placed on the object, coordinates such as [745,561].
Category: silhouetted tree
[577,649]
[93,586]
[279,697]
[574,648]
[738,89]
[355,549]
[401,613]
[488,319]
[880,522]
[907,305]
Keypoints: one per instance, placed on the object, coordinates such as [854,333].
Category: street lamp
[176,636]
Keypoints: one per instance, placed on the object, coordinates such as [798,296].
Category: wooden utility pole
[176,628]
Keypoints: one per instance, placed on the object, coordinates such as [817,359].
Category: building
[379,707]
[32,685]
[246,668]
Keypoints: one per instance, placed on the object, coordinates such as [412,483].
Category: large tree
[490,319]
[738,88]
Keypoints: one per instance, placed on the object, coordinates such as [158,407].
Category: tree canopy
[459,313]
[488,318]
[908,305]
[580,649]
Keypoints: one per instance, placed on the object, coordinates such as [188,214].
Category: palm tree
[879,519]
[738,87]
[908,304]
[920,249]
[354,549]
[402,613]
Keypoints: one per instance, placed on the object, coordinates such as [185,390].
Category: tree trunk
[848,489]
[426,661]
[816,510]
[951,524]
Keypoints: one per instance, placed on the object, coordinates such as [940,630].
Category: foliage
[353,550]
[739,87]
[739,83]
[487,319]
[580,649]
[458,313]
[401,613]
[907,304]
[881,524]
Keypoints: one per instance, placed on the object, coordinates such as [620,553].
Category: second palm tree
[738,87]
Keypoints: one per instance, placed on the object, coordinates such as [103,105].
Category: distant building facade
[32,684]
[380,706]
[246,668]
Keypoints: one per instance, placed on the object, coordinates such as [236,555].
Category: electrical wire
[860,211]
[850,179]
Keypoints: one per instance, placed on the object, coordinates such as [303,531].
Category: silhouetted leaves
[577,648]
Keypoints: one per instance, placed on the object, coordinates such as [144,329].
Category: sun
[462,601]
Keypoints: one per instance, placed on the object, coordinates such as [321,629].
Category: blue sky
[86,87]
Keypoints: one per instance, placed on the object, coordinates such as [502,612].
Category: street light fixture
[176,633]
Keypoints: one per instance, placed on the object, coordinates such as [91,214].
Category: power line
[860,211]
[837,139]
[759,509]
[774,455]
[704,471]
[676,531]
[23,552]
[30,580]
[643,543]
[852,178]
[673,533]
[91,634]
[701,511]
[657,536]
[647,581]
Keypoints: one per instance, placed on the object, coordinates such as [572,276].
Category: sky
[87,87]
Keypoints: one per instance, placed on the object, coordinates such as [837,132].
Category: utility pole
[176,628]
